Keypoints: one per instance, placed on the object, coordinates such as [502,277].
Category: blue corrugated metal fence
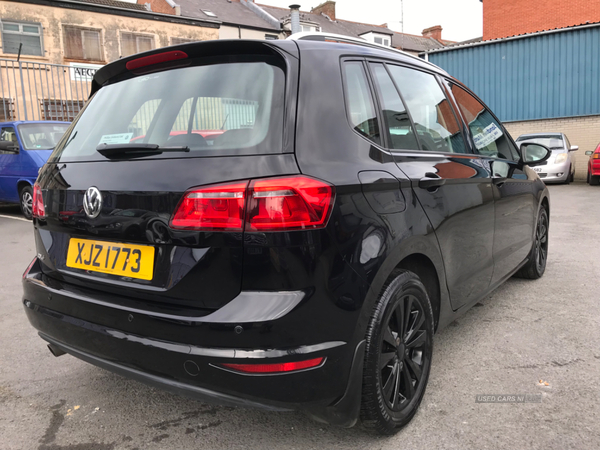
[536,77]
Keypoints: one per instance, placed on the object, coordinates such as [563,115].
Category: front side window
[208,108]
[434,119]
[82,43]
[41,136]
[132,43]
[26,36]
[401,133]
[359,102]
[488,135]
[8,134]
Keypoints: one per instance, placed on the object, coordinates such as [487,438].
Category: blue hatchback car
[24,149]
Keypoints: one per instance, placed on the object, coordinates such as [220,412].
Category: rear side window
[488,135]
[359,102]
[396,118]
[215,110]
[434,119]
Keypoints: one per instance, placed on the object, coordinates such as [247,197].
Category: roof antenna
[402,23]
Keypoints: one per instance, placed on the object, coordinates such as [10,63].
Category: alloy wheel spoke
[409,389]
[414,368]
[396,387]
[388,386]
[407,315]
[385,358]
[389,337]
[418,339]
[399,316]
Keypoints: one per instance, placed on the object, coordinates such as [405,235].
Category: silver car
[559,168]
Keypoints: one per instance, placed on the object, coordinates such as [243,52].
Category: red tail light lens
[272,204]
[218,207]
[38,209]
[276,368]
[288,203]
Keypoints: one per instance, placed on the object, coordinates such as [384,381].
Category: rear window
[216,110]
[41,136]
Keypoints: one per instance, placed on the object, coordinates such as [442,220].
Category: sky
[460,19]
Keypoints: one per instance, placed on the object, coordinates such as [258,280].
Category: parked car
[24,149]
[593,171]
[560,167]
[300,263]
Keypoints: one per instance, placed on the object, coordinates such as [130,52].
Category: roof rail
[319,36]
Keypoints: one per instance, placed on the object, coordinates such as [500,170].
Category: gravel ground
[526,331]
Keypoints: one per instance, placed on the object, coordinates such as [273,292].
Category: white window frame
[24,33]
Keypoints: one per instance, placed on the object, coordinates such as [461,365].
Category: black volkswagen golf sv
[279,224]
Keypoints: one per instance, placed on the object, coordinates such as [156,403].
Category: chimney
[433,32]
[295,18]
[327,8]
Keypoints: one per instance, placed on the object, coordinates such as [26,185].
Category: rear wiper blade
[136,150]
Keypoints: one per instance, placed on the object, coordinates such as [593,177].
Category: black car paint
[341,268]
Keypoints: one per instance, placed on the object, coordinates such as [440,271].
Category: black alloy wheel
[26,202]
[536,264]
[399,351]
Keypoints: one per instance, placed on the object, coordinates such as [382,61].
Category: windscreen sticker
[121,138]
[489,134]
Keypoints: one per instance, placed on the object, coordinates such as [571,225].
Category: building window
[208,13]
[53,109]
[308,28]
[7,109]
[177,41]
[135,43]
[271,37]
[28,36]
[82,43]
[382,41]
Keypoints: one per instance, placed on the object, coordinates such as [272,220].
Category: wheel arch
[21,184]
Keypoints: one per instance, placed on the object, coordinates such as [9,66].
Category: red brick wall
[159,6]
[502,18]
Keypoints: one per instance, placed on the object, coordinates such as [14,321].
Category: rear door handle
[431,180]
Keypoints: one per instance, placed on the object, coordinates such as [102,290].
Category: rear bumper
[174,360]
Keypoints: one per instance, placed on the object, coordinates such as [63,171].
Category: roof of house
[355,29]
[227,11]
[117,4]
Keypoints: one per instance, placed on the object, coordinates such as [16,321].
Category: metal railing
[40,91]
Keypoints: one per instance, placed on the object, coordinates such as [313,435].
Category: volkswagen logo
[92,202]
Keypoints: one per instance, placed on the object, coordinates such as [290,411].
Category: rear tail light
[218,207]
[29,267]
[272,204]
[596,155]
[276,368]
[38,209]
[155,59]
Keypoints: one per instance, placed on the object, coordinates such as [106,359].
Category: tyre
[26,202]
[536,265]
[572,177]
[399,346]
[594,180]
[569,177]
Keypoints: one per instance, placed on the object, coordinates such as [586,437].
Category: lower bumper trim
[173,386]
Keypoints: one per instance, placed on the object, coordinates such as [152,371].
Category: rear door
[452,184]
[515,190]
[109,220]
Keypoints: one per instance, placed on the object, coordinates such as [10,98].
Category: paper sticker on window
[121,138]
[489,134]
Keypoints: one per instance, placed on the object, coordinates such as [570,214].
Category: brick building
[503,18]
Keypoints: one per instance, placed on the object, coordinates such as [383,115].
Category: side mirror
[9,146]
[589,153]
[574,148]
[534,154]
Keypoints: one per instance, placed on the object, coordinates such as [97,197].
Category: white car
[559,168]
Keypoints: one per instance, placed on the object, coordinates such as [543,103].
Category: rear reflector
[276,368]
[38,209]
[155,59]
[271,204]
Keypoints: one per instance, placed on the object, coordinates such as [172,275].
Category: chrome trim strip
[247,307]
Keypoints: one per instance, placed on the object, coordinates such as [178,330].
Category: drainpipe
[295,16]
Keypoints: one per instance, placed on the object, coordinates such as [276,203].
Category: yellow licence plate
[127,260]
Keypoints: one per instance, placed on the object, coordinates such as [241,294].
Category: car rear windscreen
[232,108]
